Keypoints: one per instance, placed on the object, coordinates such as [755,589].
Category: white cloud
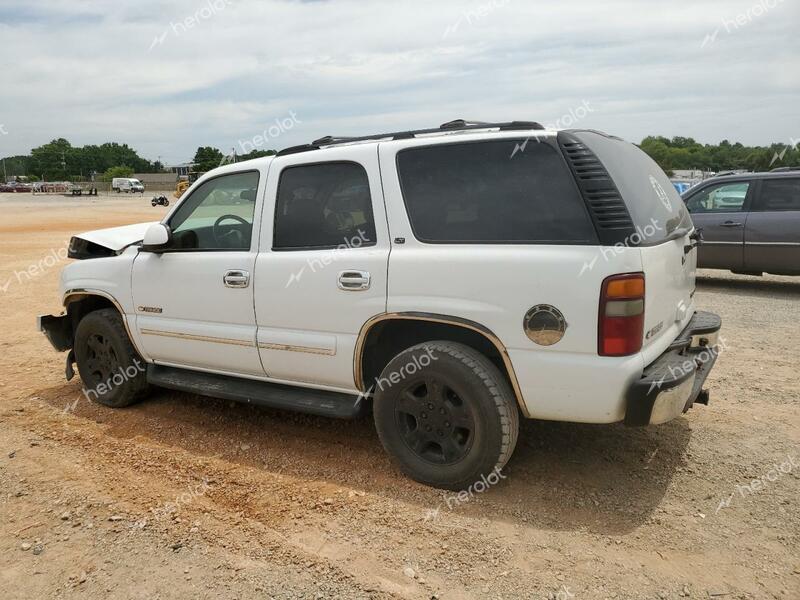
[87,71]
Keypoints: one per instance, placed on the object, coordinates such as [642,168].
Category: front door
[194,301]
[721,211]
[321,272]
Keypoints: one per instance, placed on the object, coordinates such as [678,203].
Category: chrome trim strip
[291,348]
[794,244]
[197,338]
[433,318]
[713,243]
[79,293]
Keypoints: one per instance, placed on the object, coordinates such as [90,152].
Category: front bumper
[674,381]
[57,329]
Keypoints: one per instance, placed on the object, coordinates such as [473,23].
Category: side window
[727,197]
[490,192]
[218,215]
[323,206]
[779,194]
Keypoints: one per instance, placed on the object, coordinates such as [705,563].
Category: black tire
[112,371]
[452,422]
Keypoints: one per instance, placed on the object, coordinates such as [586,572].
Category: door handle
[236,279]
[730,224]
[354,281]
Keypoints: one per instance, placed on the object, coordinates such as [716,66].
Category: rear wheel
[112,371]
[446,415]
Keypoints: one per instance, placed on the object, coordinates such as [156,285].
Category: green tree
[207,158]
[120,171]
[60,160]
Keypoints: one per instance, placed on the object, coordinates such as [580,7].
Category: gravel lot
[185,496]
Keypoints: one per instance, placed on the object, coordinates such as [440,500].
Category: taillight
[621,322]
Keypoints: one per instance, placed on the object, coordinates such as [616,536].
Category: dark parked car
[750,222]
[15,186]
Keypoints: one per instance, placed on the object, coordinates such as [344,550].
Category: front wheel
[446,415]
[112,371]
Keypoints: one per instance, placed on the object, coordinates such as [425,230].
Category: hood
[106,242]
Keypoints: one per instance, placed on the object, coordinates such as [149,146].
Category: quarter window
[325,205]
[506,192]
[218,215]
[779,194]
[728,197]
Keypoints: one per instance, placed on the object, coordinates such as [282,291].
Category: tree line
[59,160]
[686,153]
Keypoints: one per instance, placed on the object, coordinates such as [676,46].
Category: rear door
[322,269]
[772,234]
[721,210]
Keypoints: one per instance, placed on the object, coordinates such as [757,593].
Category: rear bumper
[674,381]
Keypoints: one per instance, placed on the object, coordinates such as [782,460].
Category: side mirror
[156,238]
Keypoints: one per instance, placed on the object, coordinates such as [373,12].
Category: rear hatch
[656,222]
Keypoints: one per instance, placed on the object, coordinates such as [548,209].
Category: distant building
[156,180]
[182,170]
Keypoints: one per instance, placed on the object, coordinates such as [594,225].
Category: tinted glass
[218,215]
[728,197]
[779,194]
[485,192]
[648,193]
[324,206]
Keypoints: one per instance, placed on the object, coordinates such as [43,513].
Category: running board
[274,395]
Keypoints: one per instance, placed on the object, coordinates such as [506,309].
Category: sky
[167,77]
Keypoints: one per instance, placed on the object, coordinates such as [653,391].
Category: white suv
[449,280]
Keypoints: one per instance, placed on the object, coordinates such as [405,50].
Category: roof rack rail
[450,126]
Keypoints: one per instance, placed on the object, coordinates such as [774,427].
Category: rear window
[486,192]
[779,194]
[649,195]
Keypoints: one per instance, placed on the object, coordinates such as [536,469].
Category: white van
[127,185]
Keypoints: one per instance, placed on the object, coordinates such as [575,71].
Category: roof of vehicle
[741,176]
[460,127]
[444,128]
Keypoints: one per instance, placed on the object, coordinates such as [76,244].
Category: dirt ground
[185,496]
